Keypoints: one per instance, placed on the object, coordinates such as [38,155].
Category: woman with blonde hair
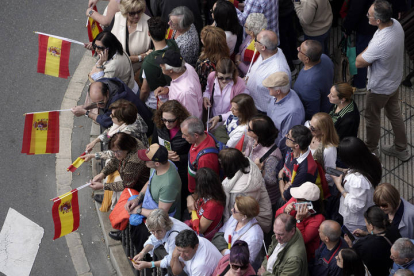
[131,28]
[214,48]
[324,142]
[344,113]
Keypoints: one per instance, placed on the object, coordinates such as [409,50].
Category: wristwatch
[298,221]
[91,12]
[87,113]
[139,210]
[280,179]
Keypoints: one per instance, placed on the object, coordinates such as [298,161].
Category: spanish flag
[65,212]
[77,163]
[94,28]
[249,52]
[169,33]
[41,133]
[53,57]
[195,221]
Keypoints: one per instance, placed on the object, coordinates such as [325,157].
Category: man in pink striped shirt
[185,85]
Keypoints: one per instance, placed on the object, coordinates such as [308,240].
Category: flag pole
[251,62]
[71,192]
[60,110]
[62,38]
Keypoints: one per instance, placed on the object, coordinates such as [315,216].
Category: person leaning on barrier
[196,256]
[163,231]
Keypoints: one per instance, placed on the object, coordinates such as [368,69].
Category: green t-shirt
[153,71]
[167,188]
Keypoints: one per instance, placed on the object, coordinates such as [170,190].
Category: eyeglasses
[135,12]
[117,152]
[370,16]
[237,267]
[255,40]
[168,120]
[99,103]
[290,139]
[299,51]
[223,78]
[312,128]
[234,209]
[156,231]
[98,47]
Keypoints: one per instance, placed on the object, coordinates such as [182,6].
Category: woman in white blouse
[242,225]
[358,185]
[324,142]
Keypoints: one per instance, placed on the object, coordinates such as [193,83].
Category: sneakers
[390,150]
[360,91]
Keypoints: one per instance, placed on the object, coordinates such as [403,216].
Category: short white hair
[175,69]
[284,89]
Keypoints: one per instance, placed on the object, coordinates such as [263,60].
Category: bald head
[269,39]
[331,229]
[99,94]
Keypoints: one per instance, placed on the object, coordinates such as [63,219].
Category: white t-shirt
[204,261]
[385,52]
[151,101]
[273,257]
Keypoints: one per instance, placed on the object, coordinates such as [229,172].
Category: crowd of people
[237,169]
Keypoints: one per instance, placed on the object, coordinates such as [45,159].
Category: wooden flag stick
[60,110]
[62,38]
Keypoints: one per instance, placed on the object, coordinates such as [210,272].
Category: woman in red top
[307,220]
[209,199]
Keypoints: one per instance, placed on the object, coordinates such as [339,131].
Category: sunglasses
[312,128]
[237,267]
[97,47]
[134,13]
[168,120]
[290,139]
[384,205]
[223,78]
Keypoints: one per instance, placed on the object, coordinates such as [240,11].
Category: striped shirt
[342,112]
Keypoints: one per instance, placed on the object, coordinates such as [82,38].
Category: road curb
[116,251]
[64,157]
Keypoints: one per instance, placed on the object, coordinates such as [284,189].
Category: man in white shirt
[287,253]
[271,60]
[384,58]
[195,255]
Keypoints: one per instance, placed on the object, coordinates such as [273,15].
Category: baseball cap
[307,191]
[154,153]
[170,57]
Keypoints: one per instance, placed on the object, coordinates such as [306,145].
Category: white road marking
[19,242]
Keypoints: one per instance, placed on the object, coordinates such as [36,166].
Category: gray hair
[194,125]
[403,272]
[284,89]
[159,219]
[313,50]
[176,69]
[186,16]
[256,22]
[404,247]
[382,10]
[269,40]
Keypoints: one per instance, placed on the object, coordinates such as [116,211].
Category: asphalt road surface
[28,182]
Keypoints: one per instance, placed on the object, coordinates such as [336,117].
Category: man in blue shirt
[402,253]
[315,79]
[285,108]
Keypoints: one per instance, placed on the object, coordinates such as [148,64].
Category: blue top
[313,86]
[286,113]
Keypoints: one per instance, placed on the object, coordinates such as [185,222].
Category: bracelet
[152,264]
[87,113]
[99,67]
[280,179]
[343,192]
[220,118]
[97,156]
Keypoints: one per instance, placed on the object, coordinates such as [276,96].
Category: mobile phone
[345,230]
[333,171]
[308,203]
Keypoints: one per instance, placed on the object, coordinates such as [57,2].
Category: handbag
[119,217]
[351,53]
[341,63]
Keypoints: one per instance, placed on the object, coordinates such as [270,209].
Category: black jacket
[348,124]
[356,18]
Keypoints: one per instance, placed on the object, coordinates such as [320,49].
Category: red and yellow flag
[195,221]
[94,28]
[169,33]
[77,163]
[249,52]
[41,133]
[53,57]
[65,212]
